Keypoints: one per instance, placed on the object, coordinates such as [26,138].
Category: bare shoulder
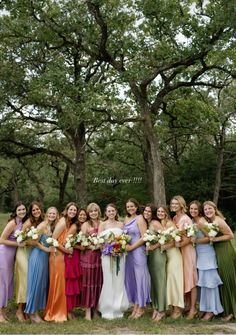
[156,225]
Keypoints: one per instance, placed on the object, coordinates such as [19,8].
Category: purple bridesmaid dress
[137,278]
[7,257]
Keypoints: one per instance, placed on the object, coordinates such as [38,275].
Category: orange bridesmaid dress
[56,309]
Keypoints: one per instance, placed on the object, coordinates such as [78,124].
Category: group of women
[194,275]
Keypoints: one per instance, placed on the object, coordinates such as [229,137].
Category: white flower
[19,239]
[49,240]
[35,237]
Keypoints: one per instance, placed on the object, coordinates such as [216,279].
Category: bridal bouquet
[151,237]
[70,241]
[211,229]
[190,230]
[95,241]
[114,245]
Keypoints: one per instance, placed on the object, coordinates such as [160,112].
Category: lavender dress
[7,257]
[137,278]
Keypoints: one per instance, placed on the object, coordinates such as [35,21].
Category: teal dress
[37,286]
[157,269]
[226,259]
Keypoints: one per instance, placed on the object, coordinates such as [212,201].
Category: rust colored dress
[189,257]
[56,309]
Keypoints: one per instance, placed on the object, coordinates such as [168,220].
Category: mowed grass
[121,326]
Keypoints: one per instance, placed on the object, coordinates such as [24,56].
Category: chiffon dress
[157,269]
[56,308]
[37,285]
[226,259]
[73,279]
[208,278]
[92,277]
[189,257]
[113,301]
[137,278]
[7,259]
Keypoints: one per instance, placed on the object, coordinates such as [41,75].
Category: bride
[113,300]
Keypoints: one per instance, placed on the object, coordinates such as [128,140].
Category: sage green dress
[226,259]
[157,270]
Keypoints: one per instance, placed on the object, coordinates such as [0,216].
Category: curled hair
[65,213]
[153,211]
[53,224]
[181,202]
[217,212]
[113,206]
[13,215]
[135,202]
[33,220]
[199,207]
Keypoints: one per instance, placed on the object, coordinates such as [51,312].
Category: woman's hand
[128,247]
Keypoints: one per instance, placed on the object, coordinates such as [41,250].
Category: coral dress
[137,278]
[37,285]
[92,277]
[7,257]
[56,308]
[189,257]
[73,279]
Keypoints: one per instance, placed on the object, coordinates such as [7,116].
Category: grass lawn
[122,326]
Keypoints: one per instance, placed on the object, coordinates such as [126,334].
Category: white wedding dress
[113,301]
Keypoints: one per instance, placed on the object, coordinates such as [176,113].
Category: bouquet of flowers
[211,229]
[176,235]
[95,241]
[52,242]
[114,245]
[190,231]
[30,234]
[70,241]
[150,237]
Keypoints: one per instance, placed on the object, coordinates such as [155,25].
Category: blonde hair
[46,215]
[92,206]
[212,204]
[181,202]
[166,210]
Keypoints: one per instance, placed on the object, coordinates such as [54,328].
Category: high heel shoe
[227,318]
[20,317]
[208,316]
[138,315]
[191,315]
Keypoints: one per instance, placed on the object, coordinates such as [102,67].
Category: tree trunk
[62,187]
[217,186]
[158,182]
[148,170]
[80,166]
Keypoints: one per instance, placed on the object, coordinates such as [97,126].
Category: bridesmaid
[226,259]
[36,216]
[137,278]
[182,221]
[37,287]
[8,246]
[91,264]
[56,308]
[174,269]
[208,277]
[156,265]
[82,217]
[113,300]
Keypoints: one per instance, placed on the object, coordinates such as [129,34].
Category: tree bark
[217,186]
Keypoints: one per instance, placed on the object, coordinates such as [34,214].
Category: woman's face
[52,214]
[147,213]
[36,211]
[131,208]
[209,211]
[161,214]
[111,212]
[21,211]
[193,210]
[82,217]
[93,213]
[175,205]
[71,212]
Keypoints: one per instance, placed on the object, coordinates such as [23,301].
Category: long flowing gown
[137,278]
[157,270]
[37,285]
[56,308]
[175,279]
[208,278]
[92,278]
[226,259]
[113,301]
[189,257]
[73,279]
[7,259]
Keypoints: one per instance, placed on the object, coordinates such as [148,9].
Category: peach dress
[56,309]
[189,256]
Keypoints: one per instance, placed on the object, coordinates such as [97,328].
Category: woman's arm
[142,225]
[11,225]
[227,233]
